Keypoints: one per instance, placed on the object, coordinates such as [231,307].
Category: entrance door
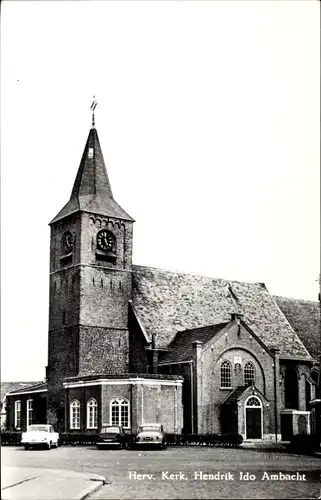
[302,425]
[253,416]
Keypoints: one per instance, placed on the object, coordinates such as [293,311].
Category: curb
[99,480]
[19,482]
[91,489]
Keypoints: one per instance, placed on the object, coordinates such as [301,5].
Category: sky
[208,117]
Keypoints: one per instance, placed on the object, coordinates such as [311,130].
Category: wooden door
[253,423]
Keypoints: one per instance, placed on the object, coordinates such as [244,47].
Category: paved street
[181,472]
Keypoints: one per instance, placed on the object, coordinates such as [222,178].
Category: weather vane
[92,108]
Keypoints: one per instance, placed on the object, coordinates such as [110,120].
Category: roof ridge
[297,300]
[172,271]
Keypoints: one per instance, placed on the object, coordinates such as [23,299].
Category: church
[129,344]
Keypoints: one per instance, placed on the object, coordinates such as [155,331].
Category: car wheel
[124,446]
[27,447]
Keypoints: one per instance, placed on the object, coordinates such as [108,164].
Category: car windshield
[106,430]
[156,428]
[38,428]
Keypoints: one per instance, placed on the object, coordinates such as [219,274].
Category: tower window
[226,375]
[119,412]
[92,414]
[75,414]
[90,152]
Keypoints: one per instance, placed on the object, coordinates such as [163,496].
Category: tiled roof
[304,316]
[30,388]
[11,386]
[167,302]
[92,191]
[181,347]
[234,396]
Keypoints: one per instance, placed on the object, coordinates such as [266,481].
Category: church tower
[90,279]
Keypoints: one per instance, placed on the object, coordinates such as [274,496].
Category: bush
[84,438]
[232,440]
[305,444]
[80,438]
[12,438]
[89,439]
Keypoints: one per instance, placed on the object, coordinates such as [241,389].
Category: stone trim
[130,381]
[90,265]
[25,392]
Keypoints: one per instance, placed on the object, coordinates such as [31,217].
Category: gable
[182,348]
[168,302]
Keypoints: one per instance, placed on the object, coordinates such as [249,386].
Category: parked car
[40,435]
[112,436]
[151,435]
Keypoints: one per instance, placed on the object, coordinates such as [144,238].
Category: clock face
[68,242]
[105,240]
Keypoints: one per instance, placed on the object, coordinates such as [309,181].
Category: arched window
[226,375]
[92,414]
[249,374]
[315,376]
[75,414]
[253,401]
[119,412]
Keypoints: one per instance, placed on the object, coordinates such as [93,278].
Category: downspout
[275,401]
[192,395]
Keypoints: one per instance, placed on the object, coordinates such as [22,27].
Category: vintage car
[40,435]
[113,436]
[151,435]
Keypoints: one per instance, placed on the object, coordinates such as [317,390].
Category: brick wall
[150,402]
[83,395]
[226,347]
[102,350]
[39,405]
[88,309]
[138,358]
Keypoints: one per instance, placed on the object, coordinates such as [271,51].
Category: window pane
[225,374]
[119,412]
[249,374]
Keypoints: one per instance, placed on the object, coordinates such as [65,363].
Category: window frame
[16,411]
[74,405]
[92,404]
[254,373]
[228,364]
[29,419]
[119,403]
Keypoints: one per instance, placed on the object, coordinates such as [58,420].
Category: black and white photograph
[160,249]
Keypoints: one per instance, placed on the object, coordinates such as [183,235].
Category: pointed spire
[91,191]
[92,177]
